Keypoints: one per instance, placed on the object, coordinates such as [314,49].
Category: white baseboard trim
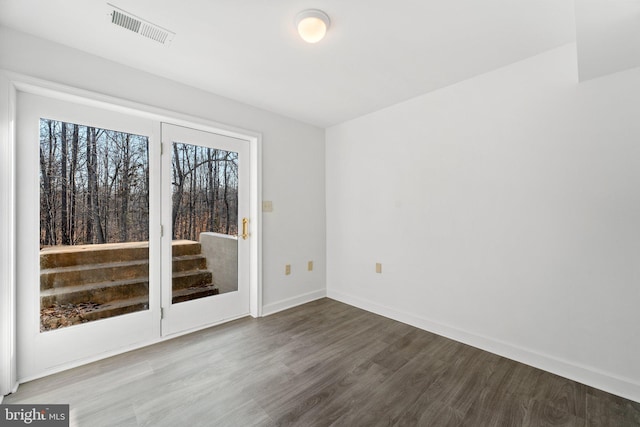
[275,307]
[576,372]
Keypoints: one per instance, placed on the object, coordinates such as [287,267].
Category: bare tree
[72,180]
[226,193]
[46,198]
[204,191]
[95,187]
[124,191]
[212,177]
[92,163]
[178,182]
[64,205]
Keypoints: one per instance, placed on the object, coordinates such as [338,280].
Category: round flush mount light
[312,25]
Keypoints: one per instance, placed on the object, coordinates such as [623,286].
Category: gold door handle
[245,228]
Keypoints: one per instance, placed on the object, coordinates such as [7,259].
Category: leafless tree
[95,187]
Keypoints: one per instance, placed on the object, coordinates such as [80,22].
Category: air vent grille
[125,21]
[154,33]
[144,28]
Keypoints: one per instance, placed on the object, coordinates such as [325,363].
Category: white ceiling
[376,53]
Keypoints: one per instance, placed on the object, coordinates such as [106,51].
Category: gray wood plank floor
[321,364]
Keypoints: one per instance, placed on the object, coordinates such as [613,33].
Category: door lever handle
[245,228]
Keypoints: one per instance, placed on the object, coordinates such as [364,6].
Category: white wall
[505,212]
[292,152]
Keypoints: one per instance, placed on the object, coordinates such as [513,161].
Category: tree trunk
[192,196]
[46,198]
[144,215]
[226,200]
[178,182]
[53,146]
[89,208]
[92,162]
[124,195]
[216,193]
[210,199]
[72,182]
[64,212]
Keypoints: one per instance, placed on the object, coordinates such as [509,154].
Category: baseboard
[576,372]
[292,302]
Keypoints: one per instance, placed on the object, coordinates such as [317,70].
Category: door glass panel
[204,221]
[94,223]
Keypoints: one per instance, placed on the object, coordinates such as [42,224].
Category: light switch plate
[310,266]
[267,206]
[287,269]
[378,267]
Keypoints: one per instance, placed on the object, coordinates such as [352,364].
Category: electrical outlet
[287,269]
[310,266]
[378,267]
[267,206]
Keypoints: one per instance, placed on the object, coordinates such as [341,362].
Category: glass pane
[204,221]
[94,223]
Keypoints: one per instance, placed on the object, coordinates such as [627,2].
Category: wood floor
[324,363]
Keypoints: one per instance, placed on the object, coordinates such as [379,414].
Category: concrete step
[191,278]
[118,307]
[117,276]
[185,247]
[64,315]
[66,256]
[189,262]
[93,273]
[99,293]
[111,290]
[188,294]
[124,306]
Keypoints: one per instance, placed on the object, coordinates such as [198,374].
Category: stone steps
[191,279]
[68,256]
[74,314]
[188,294]
[185,247]
[99,292]
[189,262]
[117,276]
[93,273]
[118,307]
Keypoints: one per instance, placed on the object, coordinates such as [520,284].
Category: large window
[94,223]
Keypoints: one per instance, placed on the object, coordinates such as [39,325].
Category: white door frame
[10,84]
[8,368]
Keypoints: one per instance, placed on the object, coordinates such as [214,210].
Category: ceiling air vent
[144,28]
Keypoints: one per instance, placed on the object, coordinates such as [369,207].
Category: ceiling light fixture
[312,25]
